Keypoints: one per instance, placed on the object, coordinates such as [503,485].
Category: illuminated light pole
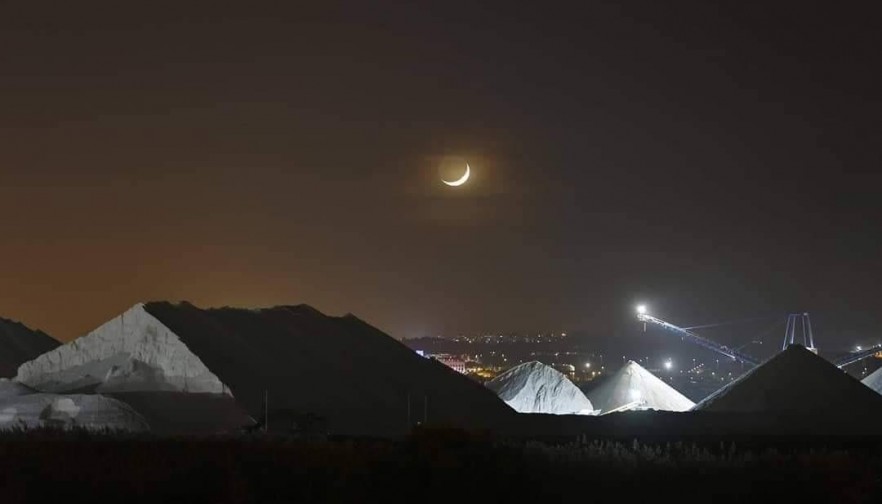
[641,310]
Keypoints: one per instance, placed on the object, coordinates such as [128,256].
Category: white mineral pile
[91,412]
[133,352]
[10,388]
[634,388]
[874,380]
[534,387]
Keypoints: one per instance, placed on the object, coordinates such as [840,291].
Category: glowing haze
[713,161]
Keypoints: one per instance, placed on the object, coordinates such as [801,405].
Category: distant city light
[641,309]
[668,364]
[587,364]
[859,348]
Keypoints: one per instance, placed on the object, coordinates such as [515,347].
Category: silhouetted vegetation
[428,466]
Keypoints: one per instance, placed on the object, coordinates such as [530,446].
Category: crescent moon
[462,180]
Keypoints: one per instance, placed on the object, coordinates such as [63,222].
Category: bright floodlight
[587,364]
[641,309]
[669,364]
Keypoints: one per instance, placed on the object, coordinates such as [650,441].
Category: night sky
[715,162]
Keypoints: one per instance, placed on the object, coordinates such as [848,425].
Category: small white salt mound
[874,380]
[133,352]
[92,412]
[533,387]
[635,388]
[10,388]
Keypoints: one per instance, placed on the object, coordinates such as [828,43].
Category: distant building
[568,369]
[453,362]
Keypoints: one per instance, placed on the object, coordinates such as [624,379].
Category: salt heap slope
[19,344]
[634,388]
[874,380]
[533,387]
[21,407]
[130,353]
[10,388]
[134,357]
[90,412]
[798,386]
[341,369]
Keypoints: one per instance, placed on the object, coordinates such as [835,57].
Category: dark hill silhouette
[797,385]
[337,368]
[19,344]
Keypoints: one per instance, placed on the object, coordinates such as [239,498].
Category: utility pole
[425,409]
[265,411]
[409,424]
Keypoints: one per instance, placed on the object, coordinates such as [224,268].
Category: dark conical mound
[19,344]
[794,383]
[340,368]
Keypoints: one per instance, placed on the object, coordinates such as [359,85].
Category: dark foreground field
[432,466]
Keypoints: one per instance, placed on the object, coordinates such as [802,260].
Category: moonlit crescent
[462,180]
